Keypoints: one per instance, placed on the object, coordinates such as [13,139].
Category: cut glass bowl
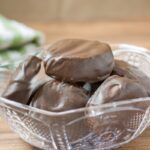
[119,122]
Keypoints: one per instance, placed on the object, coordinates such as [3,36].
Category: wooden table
[113,32]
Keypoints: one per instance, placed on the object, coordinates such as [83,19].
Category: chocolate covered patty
[76,60]
[116,88]
[26,79]
[58,96]
[124,69]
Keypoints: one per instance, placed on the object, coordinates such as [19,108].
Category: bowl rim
[116,104]
[116,49]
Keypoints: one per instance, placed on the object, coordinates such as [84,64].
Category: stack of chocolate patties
[76,73]
[65,79]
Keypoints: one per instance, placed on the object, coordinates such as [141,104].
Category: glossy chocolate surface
[77,60]
[25,80]
[116,88]
[124,69]
[58,96]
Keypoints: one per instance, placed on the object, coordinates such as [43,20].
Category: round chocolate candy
[78,60]
[57,96]
[26,79]
[116,88]
[115,122]
[124,69]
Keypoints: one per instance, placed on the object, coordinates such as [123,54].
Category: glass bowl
[119,122]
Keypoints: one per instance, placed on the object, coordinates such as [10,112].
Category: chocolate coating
[58,96]
[25,80]
[78,60]
[116,88]
[124,69]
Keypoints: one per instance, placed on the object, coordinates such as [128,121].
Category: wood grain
[114,32]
